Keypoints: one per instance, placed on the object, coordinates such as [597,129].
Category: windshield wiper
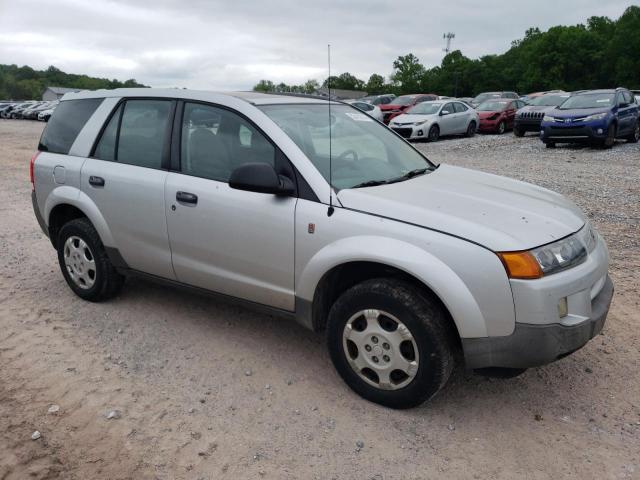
[408,175]
[370,183]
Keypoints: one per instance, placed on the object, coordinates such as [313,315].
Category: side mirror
[444,112]
[260,178]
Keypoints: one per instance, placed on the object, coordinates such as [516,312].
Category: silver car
[372,110]
[323,216]
[431,120]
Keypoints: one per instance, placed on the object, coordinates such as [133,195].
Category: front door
[230,241]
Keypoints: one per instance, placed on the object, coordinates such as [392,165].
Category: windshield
[403,100]
[484,96]
[492,106]
[362,150]
[548,100]
[589,100]
[425,108]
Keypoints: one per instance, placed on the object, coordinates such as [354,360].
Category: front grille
[568,132]
[531,115]
[403,132]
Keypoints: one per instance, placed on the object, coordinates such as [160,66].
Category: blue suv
[596,117]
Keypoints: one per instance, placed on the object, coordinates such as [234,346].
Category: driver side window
[216,141]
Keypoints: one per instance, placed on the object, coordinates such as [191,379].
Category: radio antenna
[331,209]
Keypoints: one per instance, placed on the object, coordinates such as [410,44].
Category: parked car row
[28,110]
[594,117]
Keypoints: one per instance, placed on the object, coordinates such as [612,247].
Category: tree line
[602,53]
[25,83]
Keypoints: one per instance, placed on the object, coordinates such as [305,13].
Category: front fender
[415,261]
[65,194]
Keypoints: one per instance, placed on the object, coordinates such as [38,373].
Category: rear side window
[65,124]
[136,133]
[460,107]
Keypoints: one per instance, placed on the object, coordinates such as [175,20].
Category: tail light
[31,164]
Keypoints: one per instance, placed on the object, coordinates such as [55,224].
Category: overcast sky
[224,45]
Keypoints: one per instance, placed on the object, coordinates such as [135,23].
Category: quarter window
[216,141]
[65,124]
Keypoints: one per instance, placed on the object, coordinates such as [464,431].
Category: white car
[431,120]
[371,110]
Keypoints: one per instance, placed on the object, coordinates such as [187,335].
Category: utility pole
[448,37]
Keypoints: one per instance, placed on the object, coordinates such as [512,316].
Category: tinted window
[106,148]
[460,107]
[627,97]
[215,141]
[143,130]
[65,124]
[449,108]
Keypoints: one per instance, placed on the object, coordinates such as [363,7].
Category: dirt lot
[206,390]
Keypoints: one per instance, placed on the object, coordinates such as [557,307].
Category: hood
[411,118]
[497,212]
[577,112]
[483,115]
[537,108]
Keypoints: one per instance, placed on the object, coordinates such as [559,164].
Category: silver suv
[315,211]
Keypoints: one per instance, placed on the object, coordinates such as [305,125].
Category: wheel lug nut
[374,339]
[367,347]
[386,346]
[375,359]
[385,358]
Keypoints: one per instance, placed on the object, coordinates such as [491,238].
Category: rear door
[230,241]
[125,178]
[462,117]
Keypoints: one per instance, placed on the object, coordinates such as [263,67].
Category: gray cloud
[231,45]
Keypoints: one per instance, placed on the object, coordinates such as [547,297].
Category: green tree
[407,73]
[264,86]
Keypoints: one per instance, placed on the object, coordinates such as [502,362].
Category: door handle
[186,197]
[96,181]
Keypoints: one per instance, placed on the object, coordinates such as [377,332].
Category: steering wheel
[346,153]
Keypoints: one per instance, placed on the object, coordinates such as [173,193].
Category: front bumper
[489,125]
[531,345]
[573,132]
[411,132]
[527,124]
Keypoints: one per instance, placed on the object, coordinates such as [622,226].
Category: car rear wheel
[390,342]
[471,129]
[635,135]
[434,133]
[84,262]
[502,127]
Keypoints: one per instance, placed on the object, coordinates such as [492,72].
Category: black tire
[550,144]
[107,281]
[517,132]
[610,139]
[434,133]
[635,135]
[424,318]
[502,127]
[471,129]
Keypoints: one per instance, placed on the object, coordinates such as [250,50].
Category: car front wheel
[390,343]
[471,129]
[502,127]
[635,135]
[434,133]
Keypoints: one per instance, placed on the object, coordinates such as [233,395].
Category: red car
[399,104]
[497,115]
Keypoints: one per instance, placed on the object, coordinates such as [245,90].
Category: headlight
[551,258]
[548,118]
[597,116]
[420,123]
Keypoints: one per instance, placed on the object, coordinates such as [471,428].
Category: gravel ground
[199,389]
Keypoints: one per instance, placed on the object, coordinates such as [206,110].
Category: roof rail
[302,95]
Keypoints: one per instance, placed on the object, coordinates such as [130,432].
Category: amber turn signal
[520,265]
